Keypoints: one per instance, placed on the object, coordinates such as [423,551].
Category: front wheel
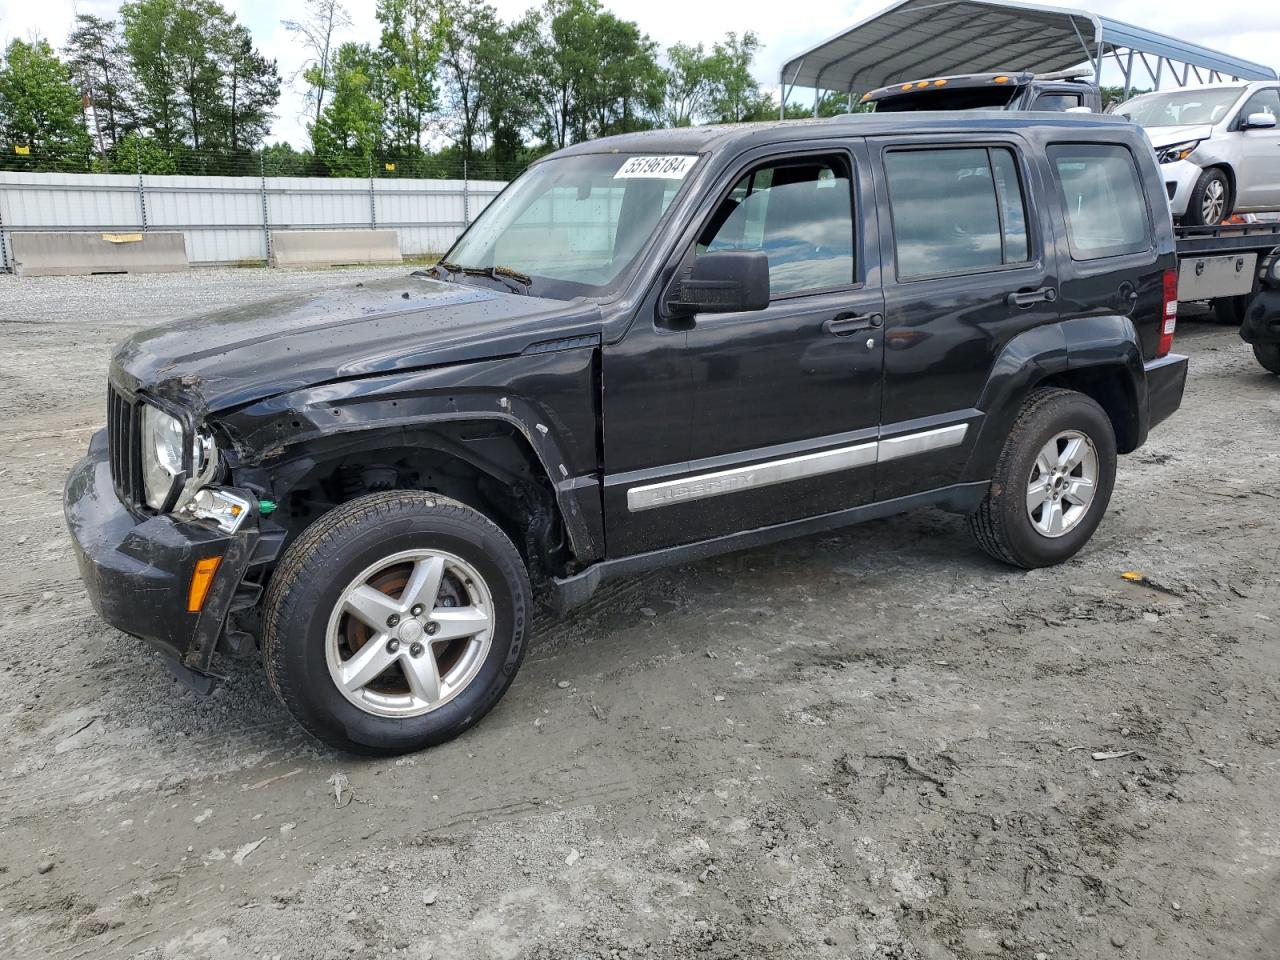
[1210,201]
[395,622]
[1268,355]
[1052,482]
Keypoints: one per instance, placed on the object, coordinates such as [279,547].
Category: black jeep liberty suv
[647,350]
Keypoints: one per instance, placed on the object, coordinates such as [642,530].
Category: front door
[783,403]
[1258,177]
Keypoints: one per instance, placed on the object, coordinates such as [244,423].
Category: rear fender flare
[1054,350]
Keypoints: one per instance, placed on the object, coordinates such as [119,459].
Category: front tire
[1268,354]
[395,622]
[1052,482]
[1210,202]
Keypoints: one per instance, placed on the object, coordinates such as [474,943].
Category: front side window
[576,225]
[1106,208]
[1264,101]
[799,214]
[956,210]
[1181,108]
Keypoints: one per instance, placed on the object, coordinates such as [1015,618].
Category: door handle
[1029,298]
[844,324]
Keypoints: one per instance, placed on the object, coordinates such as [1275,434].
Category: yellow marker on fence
[122,237]
[21,151]
[389,166]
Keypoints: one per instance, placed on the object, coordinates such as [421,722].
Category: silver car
[1218,147]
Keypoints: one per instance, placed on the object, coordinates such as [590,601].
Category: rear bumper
[137,570]
[1166,381]
[1261,322]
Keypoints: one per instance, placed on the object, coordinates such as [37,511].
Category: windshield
[962,98]
[574,226]
[1180,108]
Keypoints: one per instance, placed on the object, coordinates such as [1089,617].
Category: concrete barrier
[332,248]
[76,254]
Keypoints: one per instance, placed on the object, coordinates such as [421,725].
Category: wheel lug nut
[416,650]
[393,620]
[393,645]
[432,629]
[417,610]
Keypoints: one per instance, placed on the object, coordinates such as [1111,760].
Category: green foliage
[201,82]
[40,109]
[350,129]
[324,20]
[98,61]
[136,153]
[412,35]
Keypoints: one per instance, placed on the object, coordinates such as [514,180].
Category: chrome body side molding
[701,486]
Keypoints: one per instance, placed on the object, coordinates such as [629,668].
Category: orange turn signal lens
[201,581]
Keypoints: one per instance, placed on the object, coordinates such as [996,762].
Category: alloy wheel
[409,633]
[1062,484]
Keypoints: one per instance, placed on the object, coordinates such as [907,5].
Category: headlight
[1179,151]
[163,439]
[224,508]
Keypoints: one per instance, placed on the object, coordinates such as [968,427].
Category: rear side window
[956,210]
[1106,208]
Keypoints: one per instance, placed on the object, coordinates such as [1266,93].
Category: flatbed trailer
[1223,264]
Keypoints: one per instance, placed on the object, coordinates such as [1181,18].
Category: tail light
[1168,313]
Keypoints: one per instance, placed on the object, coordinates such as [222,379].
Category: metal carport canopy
[917,39]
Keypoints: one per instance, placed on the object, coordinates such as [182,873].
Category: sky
[1250,28]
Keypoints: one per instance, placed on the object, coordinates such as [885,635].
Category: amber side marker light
[939,83]
[201,581]
[1001,80]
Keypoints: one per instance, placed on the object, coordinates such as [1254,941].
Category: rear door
[967,268]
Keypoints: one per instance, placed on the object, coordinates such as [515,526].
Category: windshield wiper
[513,280]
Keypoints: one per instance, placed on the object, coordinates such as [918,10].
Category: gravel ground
[876,744]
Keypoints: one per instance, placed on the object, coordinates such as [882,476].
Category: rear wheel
[1210,201]
[1052,482]
[395,622]
[1268,355]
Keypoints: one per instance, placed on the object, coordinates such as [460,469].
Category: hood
[1168,136]
[236,356]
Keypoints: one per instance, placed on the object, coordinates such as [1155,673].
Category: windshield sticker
[656,168]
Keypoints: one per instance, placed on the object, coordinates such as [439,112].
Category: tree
[148,25]
[594,73]
[97,57]
[688,87]
[251,88]
[325,18]
[410,48]
[736,96]
[469,31]
[349,131]
[508,88]
[40,107]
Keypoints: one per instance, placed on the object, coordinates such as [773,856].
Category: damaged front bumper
[138,570]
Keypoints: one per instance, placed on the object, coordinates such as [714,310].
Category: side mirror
[1259,121]
[726,281]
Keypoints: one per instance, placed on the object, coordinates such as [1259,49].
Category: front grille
[124,425]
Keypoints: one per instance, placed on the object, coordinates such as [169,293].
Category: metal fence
[230,219]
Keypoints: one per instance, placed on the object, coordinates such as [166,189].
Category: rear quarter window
[1101,192]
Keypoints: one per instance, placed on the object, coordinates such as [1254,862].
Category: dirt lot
[871,745]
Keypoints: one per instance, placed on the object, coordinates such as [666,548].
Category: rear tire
[1052,482]
[1229,311]
[395,622]
[1210,201]
[1268,354]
